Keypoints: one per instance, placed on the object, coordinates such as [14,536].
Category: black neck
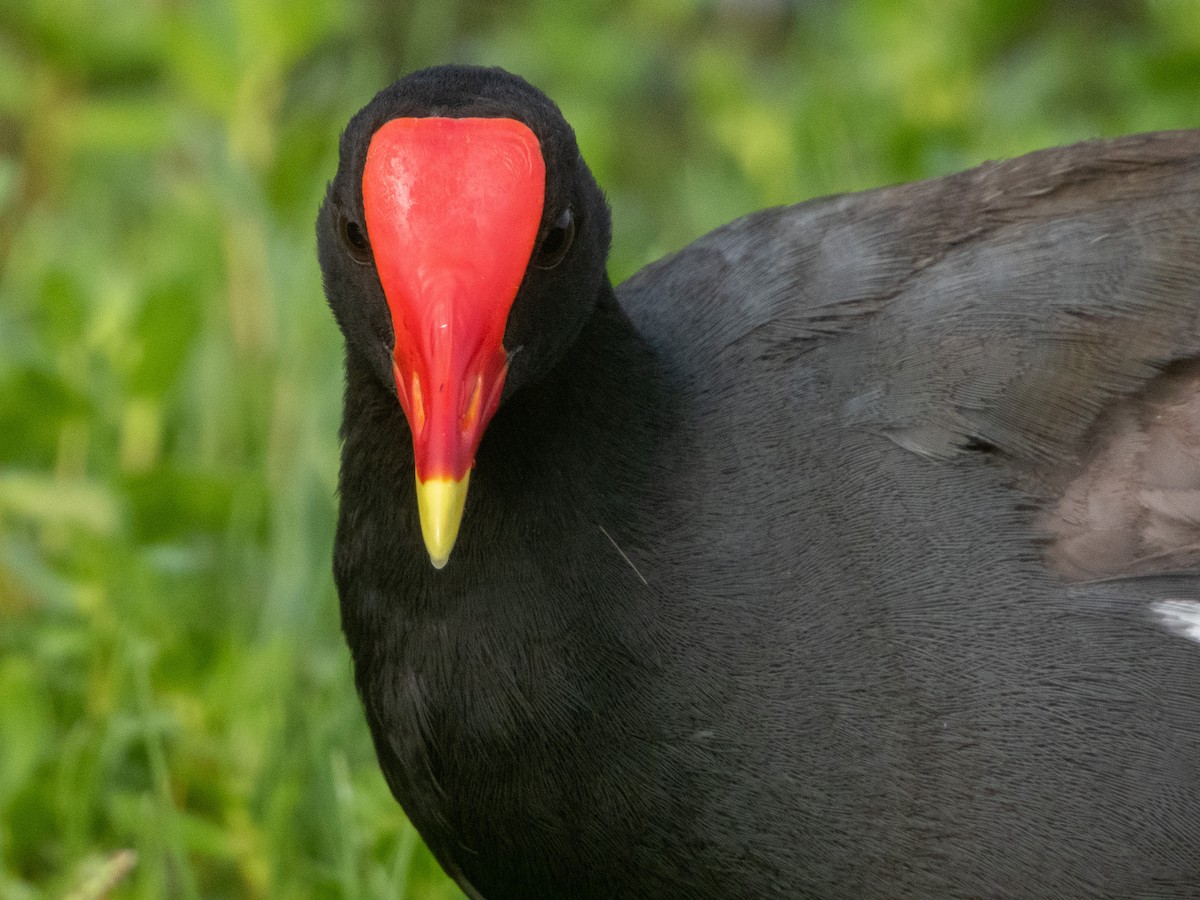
[579,443]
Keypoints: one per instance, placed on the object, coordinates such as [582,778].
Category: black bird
[851,551]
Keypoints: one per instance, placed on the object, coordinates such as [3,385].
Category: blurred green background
[172,678]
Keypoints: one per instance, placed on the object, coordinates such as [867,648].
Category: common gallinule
[850,551]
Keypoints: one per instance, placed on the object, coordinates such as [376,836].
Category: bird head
[462,244]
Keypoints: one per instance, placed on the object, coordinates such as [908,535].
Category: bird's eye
[557,241]
[356,241]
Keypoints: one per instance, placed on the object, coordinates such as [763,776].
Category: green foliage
[172,679]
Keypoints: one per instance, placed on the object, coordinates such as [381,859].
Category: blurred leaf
[51,501]
[25,722]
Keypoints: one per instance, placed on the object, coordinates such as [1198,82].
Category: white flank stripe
[1181,617]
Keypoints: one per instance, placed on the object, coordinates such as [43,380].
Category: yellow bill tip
[440,504]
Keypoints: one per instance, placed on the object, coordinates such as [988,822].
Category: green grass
[177,716]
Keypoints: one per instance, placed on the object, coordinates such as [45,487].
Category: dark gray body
[776,585]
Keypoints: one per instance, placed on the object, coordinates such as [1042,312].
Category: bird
[850,551]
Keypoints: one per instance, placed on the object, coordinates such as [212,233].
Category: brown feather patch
[1133,505]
